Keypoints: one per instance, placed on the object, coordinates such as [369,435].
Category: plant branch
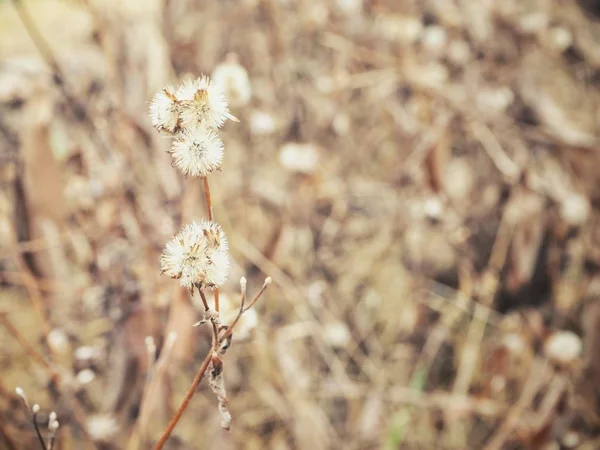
[78,108]
[37,430]
[209,205]
[27,347]
[243,309]
[210,212]
[188,396]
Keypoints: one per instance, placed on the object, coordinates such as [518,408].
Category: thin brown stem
[258,294]
[27,347]
[188,396]
[35,35]
[37,430]
[209,205]
[216,296]
[31,285]
[204,301]
[210,212]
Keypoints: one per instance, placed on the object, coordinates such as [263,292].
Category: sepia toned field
[420,180]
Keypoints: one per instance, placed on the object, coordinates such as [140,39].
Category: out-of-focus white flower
[197,256]
[560,38]
[197,151]
[459,52]
[262,123]
[58,341]
[102,427]
[164,110]
[203,104]
[575,209]
[563,347]
[85,376]
[78,192]
[229,307]
[233,78]
[88,353]
[301,158]
[337,334]
[434,39]
[494,100]
[434,75]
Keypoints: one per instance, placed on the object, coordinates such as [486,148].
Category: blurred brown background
[419,178]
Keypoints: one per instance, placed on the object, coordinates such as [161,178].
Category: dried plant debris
[419,179]
[216,381]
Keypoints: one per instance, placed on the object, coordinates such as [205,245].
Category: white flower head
[197,256]
[203,103]
[233,78]
[164,110]
[197,151]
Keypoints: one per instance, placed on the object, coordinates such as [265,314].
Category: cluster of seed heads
[192,115]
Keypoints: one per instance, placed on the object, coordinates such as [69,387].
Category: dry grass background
[435,277]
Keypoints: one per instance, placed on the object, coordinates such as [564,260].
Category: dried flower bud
[197,256]
[233,78]
[197,152]
[53,426]
[164,111]
[203,103]
[21,393]
[35,408]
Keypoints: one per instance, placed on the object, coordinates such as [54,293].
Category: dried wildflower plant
[53,424]
[198,256]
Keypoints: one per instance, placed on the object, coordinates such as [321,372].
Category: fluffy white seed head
[164,111]
[197,256]
[197,151]
[233,78]
[203,103]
